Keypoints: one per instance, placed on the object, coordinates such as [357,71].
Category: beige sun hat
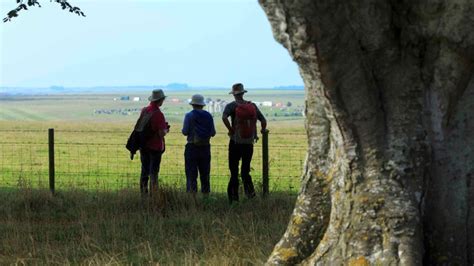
[197,99]
[237,88]
[156,95]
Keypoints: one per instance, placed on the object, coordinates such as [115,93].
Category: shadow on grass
[90,227]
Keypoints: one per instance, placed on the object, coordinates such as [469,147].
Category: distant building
[216,106]
[175,100]
[267,103]
[136,99]
[125,98]
[278,104]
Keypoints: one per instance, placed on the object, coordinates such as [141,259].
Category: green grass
[80,227]
[93,156]
[98,217]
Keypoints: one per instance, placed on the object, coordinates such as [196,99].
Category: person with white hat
[198,126]
[154,144]
[243,134]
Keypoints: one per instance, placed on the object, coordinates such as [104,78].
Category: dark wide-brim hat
[237,88]
[156,95]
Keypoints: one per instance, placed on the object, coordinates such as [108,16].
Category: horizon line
[171,85]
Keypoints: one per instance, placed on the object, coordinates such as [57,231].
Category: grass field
[90,153]
[83,107]
[91,158]
[97,216]
[80,227]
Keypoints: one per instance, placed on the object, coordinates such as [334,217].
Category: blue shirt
[198,122]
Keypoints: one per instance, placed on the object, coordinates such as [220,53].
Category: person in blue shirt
[199,127]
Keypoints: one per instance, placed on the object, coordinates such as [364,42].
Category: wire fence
[98,160]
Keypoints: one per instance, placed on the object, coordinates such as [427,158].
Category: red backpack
[245,124]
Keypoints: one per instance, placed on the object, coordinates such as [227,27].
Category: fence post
[51,159]
[265,162]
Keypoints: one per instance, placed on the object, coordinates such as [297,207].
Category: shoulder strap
[245,102]
[144,119]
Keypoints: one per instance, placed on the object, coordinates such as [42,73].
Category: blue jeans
[197,159]
[151,161]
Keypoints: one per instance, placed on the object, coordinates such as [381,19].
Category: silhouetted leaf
[12,13]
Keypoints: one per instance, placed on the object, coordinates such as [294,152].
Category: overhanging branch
[24,4]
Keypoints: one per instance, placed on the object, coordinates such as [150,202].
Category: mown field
[86,107]
[97,215]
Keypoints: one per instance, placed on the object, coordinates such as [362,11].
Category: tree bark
[390,124]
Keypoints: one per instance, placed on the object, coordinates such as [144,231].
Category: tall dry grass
[120,227]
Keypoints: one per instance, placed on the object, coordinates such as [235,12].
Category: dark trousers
[197,159]
[236,153]
[150,168]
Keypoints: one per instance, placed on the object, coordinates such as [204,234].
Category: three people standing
[199,127]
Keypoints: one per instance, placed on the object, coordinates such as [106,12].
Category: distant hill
[177,86]
[96,89]
[290,87]
[5,91]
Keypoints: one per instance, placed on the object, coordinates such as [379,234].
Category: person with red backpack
[152,127]
[243,134]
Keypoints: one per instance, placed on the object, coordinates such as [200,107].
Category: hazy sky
[138,42]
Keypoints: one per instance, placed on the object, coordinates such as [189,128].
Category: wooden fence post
[265,163]
[51,159]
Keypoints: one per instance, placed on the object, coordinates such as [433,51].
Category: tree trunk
[390,124]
